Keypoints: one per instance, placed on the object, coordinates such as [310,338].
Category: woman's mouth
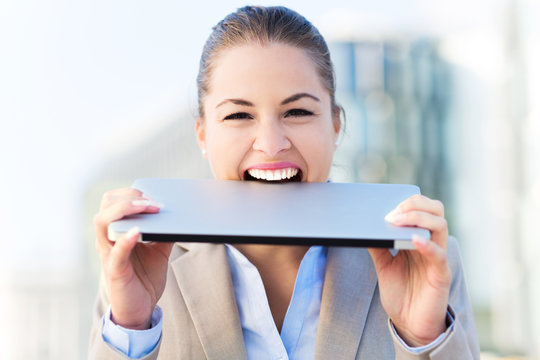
[288,174]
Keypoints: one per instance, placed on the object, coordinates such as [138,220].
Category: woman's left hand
[415,285]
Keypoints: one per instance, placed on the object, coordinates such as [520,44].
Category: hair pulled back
[265,26]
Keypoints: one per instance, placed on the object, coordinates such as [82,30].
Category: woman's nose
[271,138]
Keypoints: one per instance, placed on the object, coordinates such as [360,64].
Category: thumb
[434,255]
[121,251]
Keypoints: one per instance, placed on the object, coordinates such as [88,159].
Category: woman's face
[267,116]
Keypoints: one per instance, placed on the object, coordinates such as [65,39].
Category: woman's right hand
[135,273]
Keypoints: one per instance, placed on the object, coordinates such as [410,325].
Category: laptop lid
[226,211]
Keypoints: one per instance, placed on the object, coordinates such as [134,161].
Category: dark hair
[266,25]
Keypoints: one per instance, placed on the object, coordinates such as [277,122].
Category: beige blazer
[201,321]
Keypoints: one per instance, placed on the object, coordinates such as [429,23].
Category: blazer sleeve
[461,341]
[99,348]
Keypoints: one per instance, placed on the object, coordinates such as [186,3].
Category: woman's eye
[238,116]
[298,112]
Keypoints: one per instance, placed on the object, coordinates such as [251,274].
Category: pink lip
[274,166]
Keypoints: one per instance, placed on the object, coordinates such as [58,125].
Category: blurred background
[94,94]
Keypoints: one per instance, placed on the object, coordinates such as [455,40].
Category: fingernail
[147,197]
[395,217]
[418,240]
[391,215]
[156,204]
[399,218]
[132,232]
[147,203]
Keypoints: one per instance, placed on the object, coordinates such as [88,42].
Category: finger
[148,205]
[116,212]
[121,251]
[433,255]
[420,219]
[103,244]
[112,196]
[420,203]
[436,224]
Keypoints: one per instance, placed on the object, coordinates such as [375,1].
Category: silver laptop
[222,211]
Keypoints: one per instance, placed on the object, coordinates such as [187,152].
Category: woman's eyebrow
[290,99]
[299,96]
[236,102]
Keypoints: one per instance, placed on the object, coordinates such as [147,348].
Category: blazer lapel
[204,279]
[349,285]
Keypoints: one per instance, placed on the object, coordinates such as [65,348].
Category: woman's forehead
[275,69]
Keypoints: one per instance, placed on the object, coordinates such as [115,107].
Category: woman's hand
[415,285]
[135,273]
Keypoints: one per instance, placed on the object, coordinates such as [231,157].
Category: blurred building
[395,94]
[451,115]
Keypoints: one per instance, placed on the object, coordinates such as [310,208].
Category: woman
[267,113]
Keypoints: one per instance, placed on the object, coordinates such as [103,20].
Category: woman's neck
[278,266]
[273,255]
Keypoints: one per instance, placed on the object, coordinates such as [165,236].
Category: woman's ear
[201,135]
[336,120]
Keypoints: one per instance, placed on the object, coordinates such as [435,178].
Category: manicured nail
[157,204]
[418,240]
[147,203]
[395,217]
[399,218]
[391,215]
[147,197]
[132,232]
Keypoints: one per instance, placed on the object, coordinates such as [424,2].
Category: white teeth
[273,175]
